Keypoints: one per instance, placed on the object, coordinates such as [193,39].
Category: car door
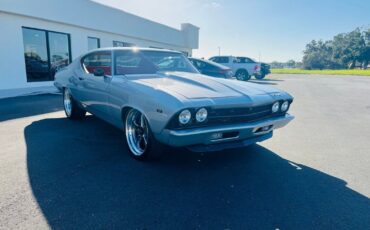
[95,80]
[234,64]
[245,63]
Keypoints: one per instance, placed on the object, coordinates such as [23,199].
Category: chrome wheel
[241,76]
[67,102]
[137,132]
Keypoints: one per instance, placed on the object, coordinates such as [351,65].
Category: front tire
[139,137]
[72,109]
[242,75]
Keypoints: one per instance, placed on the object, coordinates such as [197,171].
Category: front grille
[239,115]
[223,116]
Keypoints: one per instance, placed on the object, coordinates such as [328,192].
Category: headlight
[184,117]
[275,107]
[201,115]
[285,106]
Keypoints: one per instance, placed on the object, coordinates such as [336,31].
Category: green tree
[291,64]
[319,55]
[349,48]
[365,56]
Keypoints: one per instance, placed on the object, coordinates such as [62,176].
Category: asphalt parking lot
[313,174]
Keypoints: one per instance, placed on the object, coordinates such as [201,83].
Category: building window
[93,43]
[122,44]
[45,53]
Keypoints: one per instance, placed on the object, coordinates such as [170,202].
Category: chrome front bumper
[223,134]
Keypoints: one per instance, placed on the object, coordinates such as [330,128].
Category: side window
[208,66]
[235,60]
[193,62]
[198,64]
[98,60]
[220,59]
[243,60]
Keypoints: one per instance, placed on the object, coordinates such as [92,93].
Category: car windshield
[150,62]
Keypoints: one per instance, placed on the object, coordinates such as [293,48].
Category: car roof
[210,62]
[134,48]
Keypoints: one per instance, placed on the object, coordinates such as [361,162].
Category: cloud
[213,5]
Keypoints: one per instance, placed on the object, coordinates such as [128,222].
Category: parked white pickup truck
[243,67]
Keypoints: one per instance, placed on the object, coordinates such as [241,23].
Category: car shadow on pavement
[25,106]
[83,178]
[269,79]
[263,82]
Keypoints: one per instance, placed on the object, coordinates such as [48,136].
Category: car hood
[198,86]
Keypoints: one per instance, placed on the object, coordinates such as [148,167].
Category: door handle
[81,78]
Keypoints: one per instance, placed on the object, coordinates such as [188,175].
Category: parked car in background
[243,67]
[211,68]
[265,69]
[158,97]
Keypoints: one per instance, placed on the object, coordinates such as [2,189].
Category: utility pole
[259,56]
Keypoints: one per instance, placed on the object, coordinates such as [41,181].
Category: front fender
[157,106]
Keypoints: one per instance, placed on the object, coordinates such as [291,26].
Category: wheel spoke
[145,139]
[142,121]
[142,143]
[135,122]
[67,103]
[138,141]
[137,132]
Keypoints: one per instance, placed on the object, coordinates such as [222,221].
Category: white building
[39,36]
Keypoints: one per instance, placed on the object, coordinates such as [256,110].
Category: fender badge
[276,94]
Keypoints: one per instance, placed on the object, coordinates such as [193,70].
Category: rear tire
[260,77]
[72,108]
[242,75]
[141,143]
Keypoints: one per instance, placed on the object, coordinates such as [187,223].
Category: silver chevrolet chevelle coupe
[157,97]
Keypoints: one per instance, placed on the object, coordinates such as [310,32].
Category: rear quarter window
[97,60]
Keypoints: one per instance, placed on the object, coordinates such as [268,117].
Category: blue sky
[272,30]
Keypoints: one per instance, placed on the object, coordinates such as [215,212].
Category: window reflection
[36,56]
[59,51]
[45,53]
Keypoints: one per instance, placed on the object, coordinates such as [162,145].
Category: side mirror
[98,72]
